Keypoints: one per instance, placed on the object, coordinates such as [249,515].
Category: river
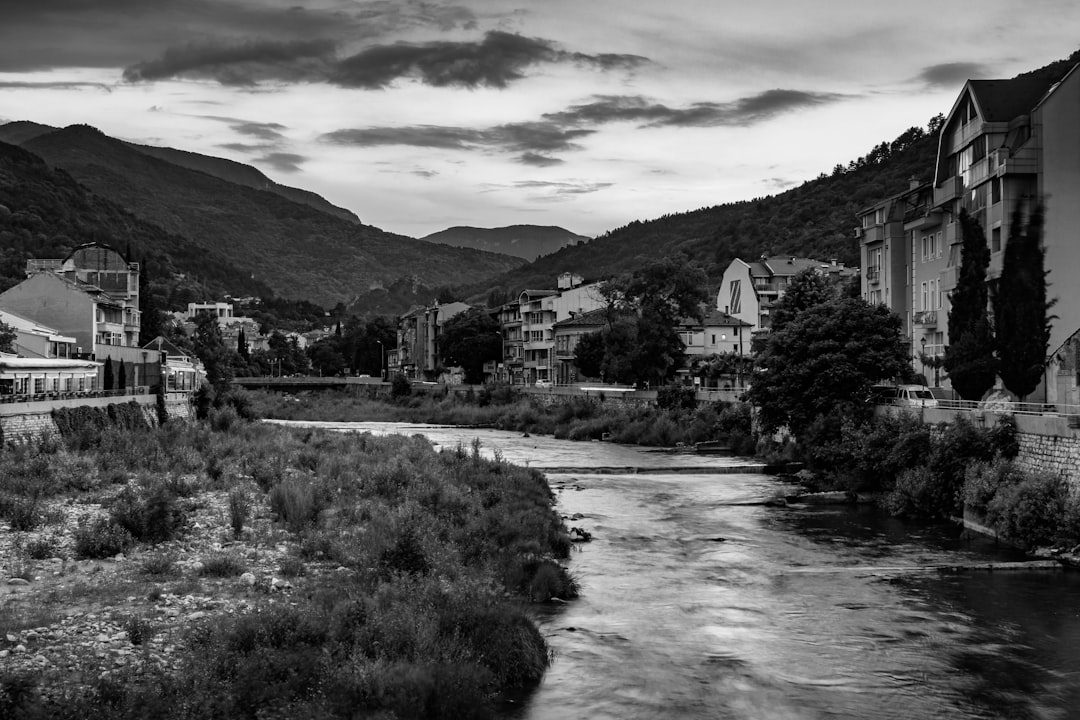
[698,602]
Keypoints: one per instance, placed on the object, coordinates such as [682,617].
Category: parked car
[543,383]
[915,396]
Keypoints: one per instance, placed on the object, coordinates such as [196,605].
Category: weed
[295,503]
[239,510]
[225,564]
[159,564]
[291,566]
[44,548]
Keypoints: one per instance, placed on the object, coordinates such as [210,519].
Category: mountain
[22,131]
[523,241]
[45,213]
[815,219]
[299,251]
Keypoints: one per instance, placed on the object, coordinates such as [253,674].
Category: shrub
[43,548]
[400,387]
[101,539]
[917,493]
[676,397]
[405,555]
[154,516]
[23,513]
[239,510]
[982,481]
[291,566]
[1005,437]
[139,629]
[1030,513]
[225,564]
[295,503]
[159,564]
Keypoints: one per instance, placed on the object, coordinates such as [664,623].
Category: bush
[23,513]
[224,564]
[400,387]
[154,516]
[295,503]
[1030,513]
[43,548]
[982,481]
[676,397]
[159,564]
[917,493]
[102,538]
[239,510]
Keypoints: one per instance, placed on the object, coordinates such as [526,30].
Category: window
[714,339]
[39,385]
[995,240]
[924,295]
[735,299]
[995,191]
[879,216]
[925,248]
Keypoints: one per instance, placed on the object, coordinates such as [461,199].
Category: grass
[416,568]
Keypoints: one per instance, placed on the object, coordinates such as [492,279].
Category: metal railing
[992,406]
[72,395]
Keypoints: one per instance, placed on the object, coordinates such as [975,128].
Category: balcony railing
[950,189]
[873,274]
[926,318]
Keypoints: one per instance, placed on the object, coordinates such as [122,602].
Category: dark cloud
[248,147]
[530,137]
[496,61]
[949,75]
[283,161]
[41,34]
[239,64]
[538,160]
[56,85]
[742,112]
[560,190]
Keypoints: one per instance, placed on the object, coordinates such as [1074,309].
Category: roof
[592,318]
[21,363]
[162,343]
[783,265]
[1003,100]
[714,318]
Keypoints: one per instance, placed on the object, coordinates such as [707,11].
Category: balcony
[1023,162]
[873,275]
[926,318]
[949,190]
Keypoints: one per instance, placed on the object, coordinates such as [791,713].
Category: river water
[697,602]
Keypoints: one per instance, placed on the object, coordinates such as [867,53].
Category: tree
[210,347]
[242,345]
[468,340]
[121,376]
[822,362]
[641,340]
[325,357]
[1022,317]
[150,325]
[107,371]
[969,357]
[589,354]
[7,338]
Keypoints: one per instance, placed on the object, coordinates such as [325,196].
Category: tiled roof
[592,318]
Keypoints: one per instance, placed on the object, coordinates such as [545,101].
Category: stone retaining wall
[29,421]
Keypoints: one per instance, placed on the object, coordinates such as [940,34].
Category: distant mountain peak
[524,241]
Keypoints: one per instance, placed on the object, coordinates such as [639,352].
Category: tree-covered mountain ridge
[815,219]
[524,241]
[299,251]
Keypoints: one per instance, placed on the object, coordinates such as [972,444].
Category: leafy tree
[641,341]
[209,346]
[822,362]
[1021,311]
[325,357]
[7,338]
[589,354]
[468,340]
[806,289]
[969,357]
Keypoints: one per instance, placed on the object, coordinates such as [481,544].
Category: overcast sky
[581,113]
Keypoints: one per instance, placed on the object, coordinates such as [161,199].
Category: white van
[915,396]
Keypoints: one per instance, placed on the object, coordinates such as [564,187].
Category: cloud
[54,85]
[526,137]
[951,75]
[555,191]
[284,161]
[239,64]
[740,113]
[248,147]
[496,61]
[538,160]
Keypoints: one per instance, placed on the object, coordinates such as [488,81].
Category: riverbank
[235,569]
[502,408]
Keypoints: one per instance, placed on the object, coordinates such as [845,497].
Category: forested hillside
[816,219]
[300,252]
[44,213]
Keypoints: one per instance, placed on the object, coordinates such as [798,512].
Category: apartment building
[749,290]
[417,353]
[1004,144]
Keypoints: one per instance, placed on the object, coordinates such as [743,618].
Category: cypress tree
[107,381]
[1021,310]
[121,382]
[969,357]
[150,325]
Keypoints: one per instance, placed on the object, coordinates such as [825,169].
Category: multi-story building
[539,310]
[417,353]
[749,290]
[1005,144]
[32,339]
[904,254]
[567,334]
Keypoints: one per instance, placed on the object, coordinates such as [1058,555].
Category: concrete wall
[22,422]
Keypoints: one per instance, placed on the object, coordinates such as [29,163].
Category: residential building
[33,339]
[1004,144]
[29,377]
[749,290]
[903,250]
[717,333]
[539,310]
[178,369]
[417,353]
[230,324]
[567,333]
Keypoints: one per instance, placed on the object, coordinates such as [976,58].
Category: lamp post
[922,356]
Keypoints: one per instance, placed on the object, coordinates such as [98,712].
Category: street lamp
[922,357]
